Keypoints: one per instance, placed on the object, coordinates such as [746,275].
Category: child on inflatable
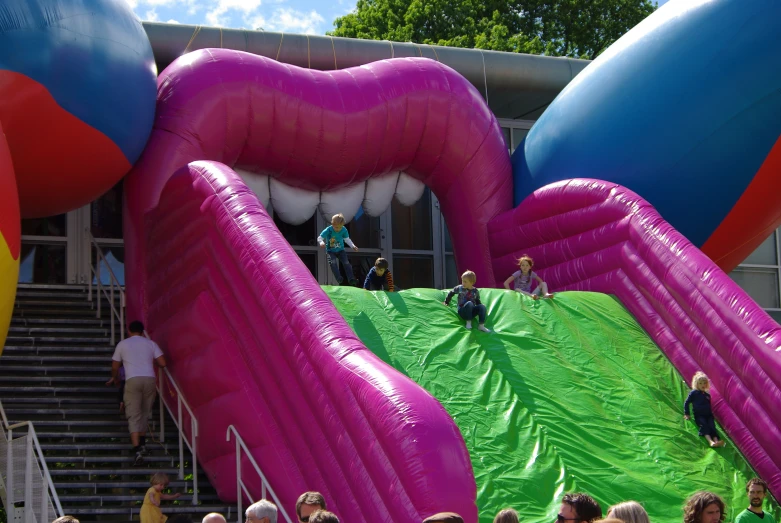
[699,398]
[469,305]
[333,239]
[523,280]
[379,277]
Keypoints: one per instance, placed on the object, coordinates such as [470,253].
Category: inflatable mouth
[227,297]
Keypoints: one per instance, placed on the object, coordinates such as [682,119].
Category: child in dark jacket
[469,305]
[699,399]
[379,277]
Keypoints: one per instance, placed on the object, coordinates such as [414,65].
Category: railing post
[194,432]
[112,310]
[97,277]
[121,316]
[10,476]
[181,435]
[239,493]
[29,515]
[162,406]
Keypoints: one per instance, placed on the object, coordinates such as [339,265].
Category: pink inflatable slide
[253,340]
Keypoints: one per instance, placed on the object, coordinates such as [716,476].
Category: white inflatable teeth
[291,204]
[346,200]
[295,206]
[258,183]
[379,193]
[409,190]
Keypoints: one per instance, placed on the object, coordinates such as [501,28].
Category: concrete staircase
[53,370]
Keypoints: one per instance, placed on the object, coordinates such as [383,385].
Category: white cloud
[132,3]
[217,16]
[172,21]
[293,21]
[151,15]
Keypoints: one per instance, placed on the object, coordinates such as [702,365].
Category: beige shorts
[139,400]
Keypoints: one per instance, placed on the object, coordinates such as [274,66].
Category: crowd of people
[701,507]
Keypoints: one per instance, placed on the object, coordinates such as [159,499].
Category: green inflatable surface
[567,394]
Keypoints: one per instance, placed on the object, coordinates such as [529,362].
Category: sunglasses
[562,519]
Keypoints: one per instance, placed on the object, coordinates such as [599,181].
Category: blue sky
[290,16]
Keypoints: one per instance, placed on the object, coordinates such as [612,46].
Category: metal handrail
[31,442]
[180,401]
[241,488]
[119,314]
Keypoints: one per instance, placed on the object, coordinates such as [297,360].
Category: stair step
[21,412]
[168,508]
[97,331]
[24,312]
[77,423]
[48,286]
[170,436]
[54,400]
[98,388]
[55,350]
[144,470]
[186,498]
[138,484]
[29,340]
[76,304]
[96,446]
[40,359]
[165,460]
[60,321]
[48,379]
[50,369]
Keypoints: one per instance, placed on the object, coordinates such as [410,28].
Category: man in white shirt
[138,355]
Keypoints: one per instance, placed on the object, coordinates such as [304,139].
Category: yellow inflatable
[10,238]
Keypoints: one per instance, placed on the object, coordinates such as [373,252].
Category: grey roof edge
[488,71]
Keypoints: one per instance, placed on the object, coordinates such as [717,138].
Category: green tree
[576,28]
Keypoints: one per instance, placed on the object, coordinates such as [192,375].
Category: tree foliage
[575,28]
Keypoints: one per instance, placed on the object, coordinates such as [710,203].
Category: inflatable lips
[252,339]
[591,235]
[254,342]
[328,130]
[692,127]
[10,238]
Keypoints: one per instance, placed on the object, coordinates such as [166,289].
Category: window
[760,276]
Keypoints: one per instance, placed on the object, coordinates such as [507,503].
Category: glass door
[44,253]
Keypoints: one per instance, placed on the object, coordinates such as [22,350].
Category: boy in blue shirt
[379,277]
[333,239]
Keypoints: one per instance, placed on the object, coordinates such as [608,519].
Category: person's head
[66,519]
[507,515]
[136,328]
[756,489]
[380,266]
[159,481]
[444,517]
[577,507]
[262,511]
[468,279]
[212,517]
[323,516]
[337,221]
[307,503]
[628,512]
[525,263]
[703,507]
[700,381]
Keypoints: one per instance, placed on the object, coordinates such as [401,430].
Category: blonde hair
[697,378]
[527,258]
[469,275]
[338,219]
[628,512]
[159,478]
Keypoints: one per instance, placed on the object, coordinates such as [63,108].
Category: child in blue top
[699,398]
[333,239]
[469,304]
[379,277]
